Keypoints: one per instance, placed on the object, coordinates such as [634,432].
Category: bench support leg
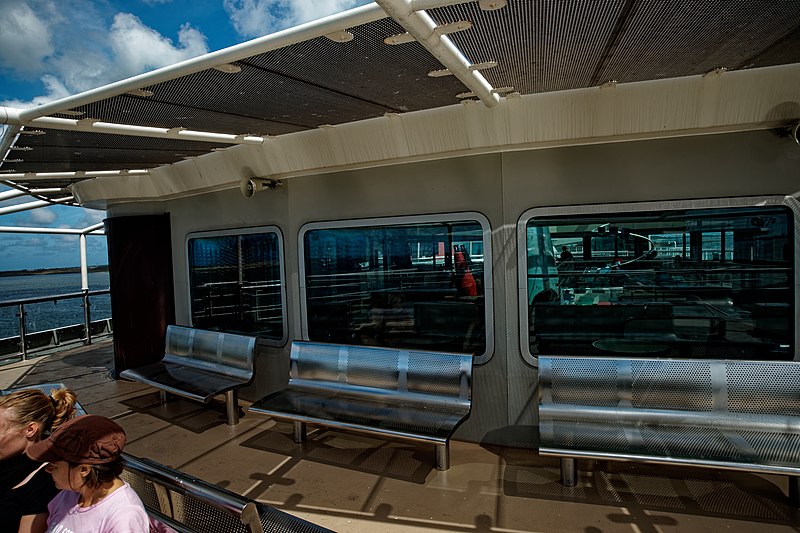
[568,470]
[232,407]
[794,491]
[443,456]
[162,396]
[298,431]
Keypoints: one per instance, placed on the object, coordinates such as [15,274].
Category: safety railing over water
[24,334]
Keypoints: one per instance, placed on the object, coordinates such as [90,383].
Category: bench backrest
[438,376]
[188,504]
[737,411]
[226,353]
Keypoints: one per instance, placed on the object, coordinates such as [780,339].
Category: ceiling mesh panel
[540,46]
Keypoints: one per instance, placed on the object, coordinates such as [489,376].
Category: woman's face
[65,475]
[13,440]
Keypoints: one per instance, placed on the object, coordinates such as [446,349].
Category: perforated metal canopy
[525,47]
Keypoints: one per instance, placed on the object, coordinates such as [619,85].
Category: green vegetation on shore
[62,270]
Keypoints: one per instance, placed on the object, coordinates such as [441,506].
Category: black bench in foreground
[735,415]
[407,394]
[199,365]
[188,504]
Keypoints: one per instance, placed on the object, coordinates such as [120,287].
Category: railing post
[22,342]
[87,316]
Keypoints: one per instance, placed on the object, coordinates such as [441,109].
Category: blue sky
[50,49]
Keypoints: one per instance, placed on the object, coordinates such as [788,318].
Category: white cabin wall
[502,187]
[753,163]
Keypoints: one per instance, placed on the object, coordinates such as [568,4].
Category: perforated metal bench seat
[200,364]
[407,394]
[742,415]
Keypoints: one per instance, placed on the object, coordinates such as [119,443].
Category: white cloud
[54,89]
[42,216]
[87,47]
[18,50]
[254,18]
[137,48]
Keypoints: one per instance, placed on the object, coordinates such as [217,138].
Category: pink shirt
[119,512]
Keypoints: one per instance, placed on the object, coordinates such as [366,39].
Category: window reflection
[235,284]
[714,283]
[414,285]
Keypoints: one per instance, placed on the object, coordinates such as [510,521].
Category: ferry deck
[620,177]
[352,483]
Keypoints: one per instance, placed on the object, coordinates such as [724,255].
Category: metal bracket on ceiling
[442,29]
[423,29]
[485,5]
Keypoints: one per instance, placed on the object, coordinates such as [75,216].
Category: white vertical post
[84,265]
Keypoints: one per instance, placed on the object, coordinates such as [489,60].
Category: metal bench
[736,415]
[408,394]
[190,505]
[199,365]
[46,388]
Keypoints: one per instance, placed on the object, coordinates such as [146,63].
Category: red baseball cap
[87,439]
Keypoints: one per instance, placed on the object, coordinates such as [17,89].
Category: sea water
[49,315]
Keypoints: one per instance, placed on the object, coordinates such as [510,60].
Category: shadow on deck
[351,482]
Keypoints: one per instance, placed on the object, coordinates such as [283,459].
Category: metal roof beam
[15,117]
[310,30]
[14,193]
[422,27]
[91,230]
[32,205]
[80,174]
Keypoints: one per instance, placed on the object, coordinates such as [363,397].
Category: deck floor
[349,482]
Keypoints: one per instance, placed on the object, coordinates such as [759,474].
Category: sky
[50,49]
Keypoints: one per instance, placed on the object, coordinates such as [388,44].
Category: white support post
[84,264]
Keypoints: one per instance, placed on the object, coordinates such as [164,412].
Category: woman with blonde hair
[26,417]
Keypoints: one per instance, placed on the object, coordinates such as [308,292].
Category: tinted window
[415,285]
[714,283]
[235,284]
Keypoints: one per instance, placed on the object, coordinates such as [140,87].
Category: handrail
[53,297]
[87,316]
[182,483]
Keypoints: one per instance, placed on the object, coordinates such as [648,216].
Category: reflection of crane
[616,232]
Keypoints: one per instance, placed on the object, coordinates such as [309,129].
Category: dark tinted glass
[419,285]
[714,283]
[235,284]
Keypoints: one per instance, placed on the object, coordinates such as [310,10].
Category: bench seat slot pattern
[735,414]
[200,365]
[409,394]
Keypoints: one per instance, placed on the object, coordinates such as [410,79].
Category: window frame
[235,232]
[465,216]
[633,207]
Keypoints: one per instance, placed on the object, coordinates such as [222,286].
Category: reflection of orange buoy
[466,282]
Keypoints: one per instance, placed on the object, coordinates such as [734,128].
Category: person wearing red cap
[84,457]
[26,417]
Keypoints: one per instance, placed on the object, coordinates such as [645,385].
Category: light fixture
[343,36]
[32,132]
[491,5]
[71,113]
[228,68]
[144,93]
[440,73]
[483,65]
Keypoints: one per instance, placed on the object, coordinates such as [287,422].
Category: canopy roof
[362,64]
